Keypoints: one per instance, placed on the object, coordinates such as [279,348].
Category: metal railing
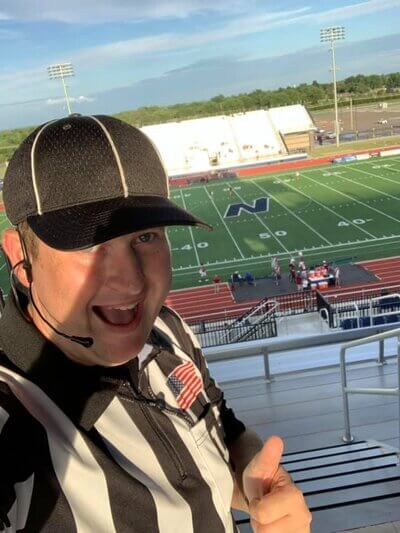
[253,315]
[360,305]
[348,437]
[213,332]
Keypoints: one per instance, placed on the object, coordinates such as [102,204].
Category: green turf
[335,212]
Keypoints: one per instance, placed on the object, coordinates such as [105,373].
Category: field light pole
[62,71]
[331,35]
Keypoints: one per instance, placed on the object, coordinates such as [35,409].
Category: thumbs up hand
[276,505]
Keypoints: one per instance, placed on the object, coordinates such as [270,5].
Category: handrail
[385,297]
[246,314]
[261,320]
[357,312]
[348,437]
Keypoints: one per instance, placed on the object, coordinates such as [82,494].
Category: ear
[12,248]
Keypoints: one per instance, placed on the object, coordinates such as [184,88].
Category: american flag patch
[185,384]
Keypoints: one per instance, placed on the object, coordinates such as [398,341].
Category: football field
[338,212]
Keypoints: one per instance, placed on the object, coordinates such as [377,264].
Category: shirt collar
[81,392]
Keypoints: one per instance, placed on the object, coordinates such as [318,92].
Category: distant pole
[331,35]
[351,113]
[60,71]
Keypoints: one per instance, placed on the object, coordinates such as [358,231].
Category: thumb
[258,476]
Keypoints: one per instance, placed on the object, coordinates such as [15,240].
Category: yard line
[262,222]
[369,187]
[329,209]
[292,212]
[361,246]
[377,176]
[191,232]
[224,223]
[352,198]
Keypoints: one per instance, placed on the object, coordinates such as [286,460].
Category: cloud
[234,27]
[72,99]
[98,11]
[202,80]
[165,42]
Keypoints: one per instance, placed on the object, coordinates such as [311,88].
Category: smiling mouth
[117,315]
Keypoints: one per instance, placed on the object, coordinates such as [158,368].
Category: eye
[145,237]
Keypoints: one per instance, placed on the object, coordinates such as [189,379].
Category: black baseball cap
[82,180]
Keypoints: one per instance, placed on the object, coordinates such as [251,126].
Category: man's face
[111,292]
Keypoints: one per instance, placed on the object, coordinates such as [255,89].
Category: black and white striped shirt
[96,450]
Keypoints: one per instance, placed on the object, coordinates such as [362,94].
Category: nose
[125,273]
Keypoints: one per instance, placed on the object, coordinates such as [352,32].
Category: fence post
[267,371]
[381,356]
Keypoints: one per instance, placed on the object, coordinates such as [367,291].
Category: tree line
[314,95]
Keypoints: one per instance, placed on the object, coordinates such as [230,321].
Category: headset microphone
[87,342]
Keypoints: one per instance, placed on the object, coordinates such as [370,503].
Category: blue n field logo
[260,205]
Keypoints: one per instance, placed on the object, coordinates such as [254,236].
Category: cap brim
[86,225]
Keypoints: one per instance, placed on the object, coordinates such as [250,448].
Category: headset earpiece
[28,270]
[26,265]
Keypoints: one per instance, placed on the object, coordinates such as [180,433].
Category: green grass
[333,212]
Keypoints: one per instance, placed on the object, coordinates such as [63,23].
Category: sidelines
[324,167]
[224,223]
[191,233]
[263,223]
[329,209]
[353,199]
[366,244]
[291,212]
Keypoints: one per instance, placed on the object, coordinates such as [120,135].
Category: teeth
[124,307]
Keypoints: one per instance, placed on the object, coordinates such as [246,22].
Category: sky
[131,53]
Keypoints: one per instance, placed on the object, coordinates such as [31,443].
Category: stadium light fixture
[60,71]
[331,35]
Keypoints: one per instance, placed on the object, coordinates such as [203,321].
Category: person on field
[203,274]
[109,418]
[217,282]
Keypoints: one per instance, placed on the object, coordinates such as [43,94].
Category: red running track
[202,303]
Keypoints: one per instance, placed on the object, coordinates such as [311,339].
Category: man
[109,419]
[203,274]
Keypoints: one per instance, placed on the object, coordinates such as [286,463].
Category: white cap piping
[116,155]
[33,171]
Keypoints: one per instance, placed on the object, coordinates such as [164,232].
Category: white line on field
[263,223]
[222,266]
[377,176]
[329,209]
[323,167]
[368,186]
[352,198]
[224,223]
[291,212]
[191,232]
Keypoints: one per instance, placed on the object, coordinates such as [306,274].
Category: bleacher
[200,145]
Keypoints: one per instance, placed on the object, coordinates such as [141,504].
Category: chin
[117,356]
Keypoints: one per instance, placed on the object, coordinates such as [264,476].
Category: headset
[87,342]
